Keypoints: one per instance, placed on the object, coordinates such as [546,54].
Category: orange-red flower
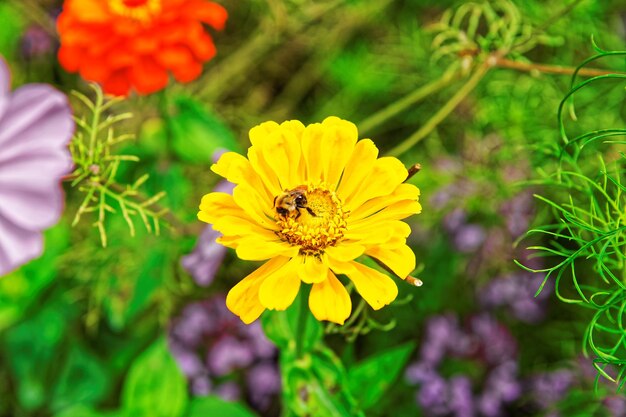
[134,44]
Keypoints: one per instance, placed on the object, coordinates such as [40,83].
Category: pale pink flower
[35,128]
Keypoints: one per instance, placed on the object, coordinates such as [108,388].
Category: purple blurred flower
[469,238]
[454,220]
[466,237]
[229,354]
[193,324]
[206,258]
[517,292]
[461,397]
[503,383]
[483,341]
[200,385]
[518,213]
[442,335]
[265,378]
[36,42]
[495,343]
[433,396]
[420,372]
[211,346]
[548,388]
[229,391]
[616,406]
[188,361]
[35,128]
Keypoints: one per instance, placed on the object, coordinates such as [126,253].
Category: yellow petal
[384,176]
[214,206]
[280,288]
[312,269]
[404,192]
[294,126]
[344,251]
[255,206]
[401,259]
[339,139]
[330,301]
[357,169]
[376,288]
[375,232]
[276,154]
[264,170]
[243,298]
[228,241]
[238,170]
[260,134]
[232,166]
[255,249]
[312,151]
[283,150]
[242,226]
[297,128]
[397,211]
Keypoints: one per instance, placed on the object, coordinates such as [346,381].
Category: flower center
[316,224]
[141,10]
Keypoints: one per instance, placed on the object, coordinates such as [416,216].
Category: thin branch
[415,97]
[550,69]
[444,111]
[34,12]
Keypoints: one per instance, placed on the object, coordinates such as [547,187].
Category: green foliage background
[82,329]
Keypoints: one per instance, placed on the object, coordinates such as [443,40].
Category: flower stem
[414,97]
[37,14]
[303,315]
[93,132]
[549,69]
[229,73]
[444,111]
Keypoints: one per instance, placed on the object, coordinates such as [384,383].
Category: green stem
[303,315]
[93,133]
[230,73]
[37,14]
[443,112]
[415,97]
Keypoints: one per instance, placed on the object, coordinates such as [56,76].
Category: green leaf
[151,276]
[33,347]
[316,385]
[215,406]
[84,411]
[197,133]
[11,26]
[369,379]
[82,381]
[280,327]
[154,387]
[21,288]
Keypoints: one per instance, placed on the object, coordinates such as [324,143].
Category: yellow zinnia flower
[309,201]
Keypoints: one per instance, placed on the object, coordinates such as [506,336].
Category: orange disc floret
[135,44]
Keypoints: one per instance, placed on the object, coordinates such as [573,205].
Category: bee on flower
[309,201]
[129,45]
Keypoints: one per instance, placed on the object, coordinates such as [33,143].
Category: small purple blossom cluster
[216,352]
[484,342]
[483,242]
[36,43]
[516,291]
[548,388]
[493,386]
